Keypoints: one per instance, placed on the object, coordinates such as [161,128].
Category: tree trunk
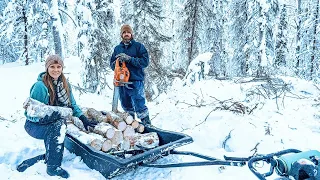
[25,36]
[298,36]
[55,25]
[314,42]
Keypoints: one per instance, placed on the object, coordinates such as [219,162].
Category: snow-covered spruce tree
[102,44]
[264,12]
[193,10]
[14,32]
[282,38]
[85,43]
[251,33]
[216,36]
[239,37]
[56,26]
[39,31]
[146,18]
[95,22]
[305,33]
[314,59]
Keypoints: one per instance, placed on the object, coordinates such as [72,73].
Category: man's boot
[146,120]
[57,171]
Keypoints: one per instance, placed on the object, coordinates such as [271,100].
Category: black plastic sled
[111,165]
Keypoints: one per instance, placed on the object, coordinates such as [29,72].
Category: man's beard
[126,39]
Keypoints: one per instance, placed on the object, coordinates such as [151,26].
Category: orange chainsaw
[120,78]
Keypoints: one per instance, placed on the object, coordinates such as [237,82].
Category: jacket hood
[40,76]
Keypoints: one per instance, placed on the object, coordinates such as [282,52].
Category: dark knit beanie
[53,59]
[124,28]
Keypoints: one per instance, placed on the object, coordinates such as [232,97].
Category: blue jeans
[53,140]
[133,100]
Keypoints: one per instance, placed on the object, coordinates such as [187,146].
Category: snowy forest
[247,38]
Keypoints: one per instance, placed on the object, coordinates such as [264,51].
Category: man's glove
[123,57]
[87,123]
[55,116]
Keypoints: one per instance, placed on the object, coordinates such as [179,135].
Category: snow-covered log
[96,115]
[38,109]
[147,140]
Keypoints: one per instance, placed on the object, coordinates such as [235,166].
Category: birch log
[116,121]
[147,140]
[117,138]
[107,145]
[129,131]
[94,140]
[77,122]
[38,109]
[104,129]
[138,127]
[96,115]
[126,117]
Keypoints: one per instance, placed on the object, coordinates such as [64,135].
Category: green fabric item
[40,92]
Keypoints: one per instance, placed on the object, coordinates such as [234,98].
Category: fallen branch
[224,143]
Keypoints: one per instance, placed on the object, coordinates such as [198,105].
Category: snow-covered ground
[188,108]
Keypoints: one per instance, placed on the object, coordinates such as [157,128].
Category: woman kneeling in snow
[53,89]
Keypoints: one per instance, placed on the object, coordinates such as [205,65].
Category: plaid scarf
[62,95]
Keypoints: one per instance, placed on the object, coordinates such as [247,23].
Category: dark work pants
[133,100]
[53,140]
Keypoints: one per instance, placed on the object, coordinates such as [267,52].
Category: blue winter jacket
[139,59]
[40,92]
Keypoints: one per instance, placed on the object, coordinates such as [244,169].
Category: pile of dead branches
[271,88]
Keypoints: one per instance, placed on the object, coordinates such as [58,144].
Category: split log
[38,109]
[147,140]
[129,131]
[126,117]
[116,121]
[107,145]
[104,129]
[117,138]
[96,115]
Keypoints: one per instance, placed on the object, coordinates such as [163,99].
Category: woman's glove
[55,116]
[87,123]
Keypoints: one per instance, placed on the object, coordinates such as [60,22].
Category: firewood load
[114,132]
[110,136]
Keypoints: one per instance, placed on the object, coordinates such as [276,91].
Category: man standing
[136,57]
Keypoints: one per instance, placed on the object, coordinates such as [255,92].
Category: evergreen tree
[281,43]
